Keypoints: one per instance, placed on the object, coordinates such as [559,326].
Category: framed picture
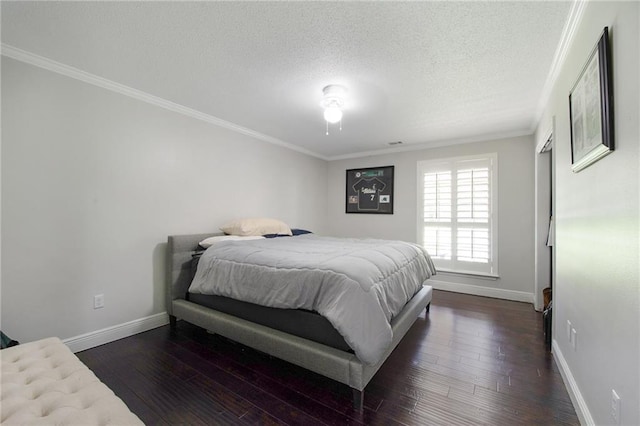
[591,108]
[370,190]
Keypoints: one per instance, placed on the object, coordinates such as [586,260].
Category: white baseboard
[580,405]
[498,293]
[117,332]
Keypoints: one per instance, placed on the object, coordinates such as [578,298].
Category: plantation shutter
[457,224]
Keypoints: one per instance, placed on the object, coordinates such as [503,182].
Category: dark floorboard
[471,360]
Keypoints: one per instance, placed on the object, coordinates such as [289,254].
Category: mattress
[299,322]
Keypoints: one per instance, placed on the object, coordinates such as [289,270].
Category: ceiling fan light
[332,114]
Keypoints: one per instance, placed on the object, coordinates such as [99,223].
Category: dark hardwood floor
[471,360]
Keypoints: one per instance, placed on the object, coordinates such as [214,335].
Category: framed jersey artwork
[370,190]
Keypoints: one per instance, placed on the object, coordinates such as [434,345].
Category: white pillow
[208,242]
[256,226]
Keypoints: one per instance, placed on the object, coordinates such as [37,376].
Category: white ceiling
[424,73]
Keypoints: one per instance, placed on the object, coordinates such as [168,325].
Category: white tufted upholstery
[43,383]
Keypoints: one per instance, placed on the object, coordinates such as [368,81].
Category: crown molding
[78,74]
[430,145]
[566,40]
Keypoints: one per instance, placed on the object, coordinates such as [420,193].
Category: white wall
[94,181]
[597,280]
[515,211]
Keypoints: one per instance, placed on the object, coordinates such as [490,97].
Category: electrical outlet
[574,339]
[615,407]
[98,301]
[569,328]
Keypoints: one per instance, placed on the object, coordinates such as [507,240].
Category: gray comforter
[358,285]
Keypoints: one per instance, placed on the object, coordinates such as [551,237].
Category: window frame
[453,164]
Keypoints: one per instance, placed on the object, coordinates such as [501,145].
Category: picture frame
[591,108]
[370,190]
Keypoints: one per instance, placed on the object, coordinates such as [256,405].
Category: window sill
[479,275]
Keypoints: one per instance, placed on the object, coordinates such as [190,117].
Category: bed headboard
[178,276]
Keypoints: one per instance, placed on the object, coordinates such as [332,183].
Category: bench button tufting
[48,384]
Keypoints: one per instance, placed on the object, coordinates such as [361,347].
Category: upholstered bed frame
[336,364]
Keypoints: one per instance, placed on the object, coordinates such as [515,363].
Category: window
[457,220]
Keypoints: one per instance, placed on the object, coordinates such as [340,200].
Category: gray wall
[597,283]
[515,211]
[94,181]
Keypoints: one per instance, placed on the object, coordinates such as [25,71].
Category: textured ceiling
[420,72]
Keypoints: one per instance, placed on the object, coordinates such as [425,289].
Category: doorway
[545,226]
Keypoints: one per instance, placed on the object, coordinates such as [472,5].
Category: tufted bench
[44,383]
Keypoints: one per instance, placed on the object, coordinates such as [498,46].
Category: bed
[299,336]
